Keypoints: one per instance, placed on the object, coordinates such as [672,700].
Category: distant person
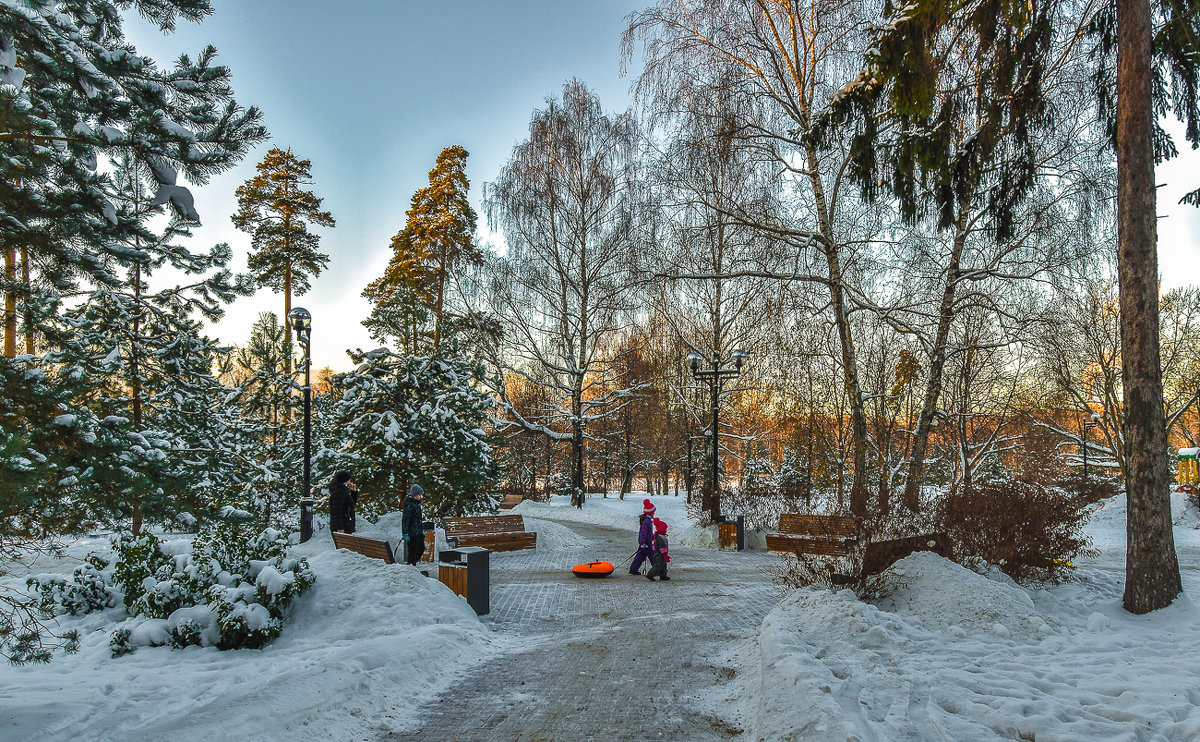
[412,528]
[343,496]
[660,557]
[645,538]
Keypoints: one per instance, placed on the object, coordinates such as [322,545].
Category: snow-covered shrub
[120,644]
[138,558]
[400,419]
[1031,531]
[88,589]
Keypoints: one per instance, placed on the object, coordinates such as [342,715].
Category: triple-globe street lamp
[301,321]
[714,375]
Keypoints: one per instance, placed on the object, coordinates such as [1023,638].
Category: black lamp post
[1092,421]
[301,322]
[714,376]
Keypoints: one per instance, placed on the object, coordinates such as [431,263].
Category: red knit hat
[660,525]
[647,507]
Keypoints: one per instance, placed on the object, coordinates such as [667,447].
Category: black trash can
[465,570]
[731,533]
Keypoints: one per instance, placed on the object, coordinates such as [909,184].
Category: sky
[372,90]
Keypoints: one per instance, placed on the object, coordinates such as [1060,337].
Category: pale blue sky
[371,90]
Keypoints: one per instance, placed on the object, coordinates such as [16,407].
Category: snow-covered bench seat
[823,535]
[495,532]
[368,547]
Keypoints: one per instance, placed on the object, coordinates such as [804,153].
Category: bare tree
[565,203]
[783,63]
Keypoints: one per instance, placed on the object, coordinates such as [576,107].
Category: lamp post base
[306,519]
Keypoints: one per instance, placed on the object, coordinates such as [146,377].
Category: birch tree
[565,202]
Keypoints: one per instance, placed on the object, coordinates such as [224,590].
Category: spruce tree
[438,238]
[276,210]
[405,419]
[1154,70]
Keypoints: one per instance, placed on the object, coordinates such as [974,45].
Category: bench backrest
[484,524]
[368,547]
[819,526]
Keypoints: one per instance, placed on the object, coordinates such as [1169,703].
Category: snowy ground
[951,655]
[360,653]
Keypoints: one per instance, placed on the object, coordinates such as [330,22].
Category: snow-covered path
[610,659]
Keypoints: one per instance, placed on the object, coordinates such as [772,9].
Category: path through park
[618,658]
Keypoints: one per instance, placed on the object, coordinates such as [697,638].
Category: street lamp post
[301,322]
[714,376]
[1092,421]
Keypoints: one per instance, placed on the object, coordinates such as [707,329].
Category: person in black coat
[343,495]
[412,528]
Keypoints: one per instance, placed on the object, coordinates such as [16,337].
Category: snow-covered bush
[232,591]
[89,588]
[138,557]
[1031,531]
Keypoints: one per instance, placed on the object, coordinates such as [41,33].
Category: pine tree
[437,239]
[275,209]
[72,90]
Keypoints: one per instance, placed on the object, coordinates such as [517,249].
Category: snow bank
[364,647]
[995,604]
[956,655]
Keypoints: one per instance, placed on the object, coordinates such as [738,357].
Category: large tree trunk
[10,302]
[29,319]
[577,495]
[287,311]
[437,314]
[1151,568]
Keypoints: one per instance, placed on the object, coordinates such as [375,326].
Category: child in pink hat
[659,555]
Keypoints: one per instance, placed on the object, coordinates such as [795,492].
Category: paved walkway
[618,658]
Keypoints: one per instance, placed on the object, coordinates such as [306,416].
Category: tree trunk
[10,302]
[933,384]
[577,495]
[1151,568]
[29,288]
[437,314]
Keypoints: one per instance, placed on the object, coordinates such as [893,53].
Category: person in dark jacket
[645,538]
[412,529]
[343,495]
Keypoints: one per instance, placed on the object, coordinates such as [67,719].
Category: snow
[949,654]
[945,654]
[364,646]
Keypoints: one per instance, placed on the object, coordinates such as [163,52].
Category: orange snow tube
[593,569]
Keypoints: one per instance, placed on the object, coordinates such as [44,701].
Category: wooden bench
[366,546]
[823,535]
[511,501]
[880,555]
[495,532]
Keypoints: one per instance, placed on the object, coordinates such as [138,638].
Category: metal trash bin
[731,533]
[465,571]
